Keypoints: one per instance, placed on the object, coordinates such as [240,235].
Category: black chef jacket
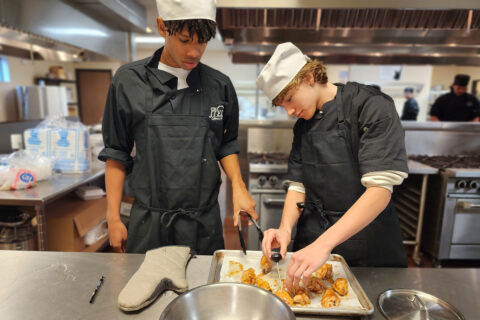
[450,107]
[124,118]
[379,143]
[410,110]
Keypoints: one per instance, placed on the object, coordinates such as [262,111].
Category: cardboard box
[69,219]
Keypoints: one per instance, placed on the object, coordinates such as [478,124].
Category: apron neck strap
[340,113]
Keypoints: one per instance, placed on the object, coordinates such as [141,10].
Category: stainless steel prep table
[58,285]
[47,191]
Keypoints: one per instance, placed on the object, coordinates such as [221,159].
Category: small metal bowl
[232,301]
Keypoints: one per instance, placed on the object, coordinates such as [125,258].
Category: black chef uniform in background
[356,133]
[450,107]
[410,108]
[179,135]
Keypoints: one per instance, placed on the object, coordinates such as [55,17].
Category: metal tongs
[276,256]
[240,234]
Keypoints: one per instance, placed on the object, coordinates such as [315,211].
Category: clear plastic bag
[64,140]
[21,169]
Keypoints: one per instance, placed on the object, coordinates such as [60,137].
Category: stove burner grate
[268,158]
[444,162]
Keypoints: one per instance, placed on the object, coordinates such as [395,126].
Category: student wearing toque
[347,153]
[410,107]
[457,105]
[182,117]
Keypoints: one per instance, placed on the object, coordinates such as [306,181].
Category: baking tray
[365,303]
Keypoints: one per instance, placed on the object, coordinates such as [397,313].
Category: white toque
[283,66]
[186,9]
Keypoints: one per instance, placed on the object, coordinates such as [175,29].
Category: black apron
[332,182]
[184,180]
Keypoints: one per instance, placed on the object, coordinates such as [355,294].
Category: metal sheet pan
[367,306]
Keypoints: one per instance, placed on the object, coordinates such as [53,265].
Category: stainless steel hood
[354,32]
[88,30]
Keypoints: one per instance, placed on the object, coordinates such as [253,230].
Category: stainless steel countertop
[58,285]
[53,188]
[415,167]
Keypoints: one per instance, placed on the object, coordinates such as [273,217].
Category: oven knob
[262,180]
[273,180]
[461,184]
[473,184]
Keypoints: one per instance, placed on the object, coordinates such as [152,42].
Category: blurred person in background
[410,107]
[457,105]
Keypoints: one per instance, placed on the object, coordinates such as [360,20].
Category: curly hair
[314,67]
[204,28]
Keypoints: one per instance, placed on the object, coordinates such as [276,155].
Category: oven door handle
[273,201]
[462,196]
[468,205]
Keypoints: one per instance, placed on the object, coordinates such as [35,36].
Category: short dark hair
[204,28]
[408,89]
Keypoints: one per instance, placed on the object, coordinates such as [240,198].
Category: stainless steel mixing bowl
[227,301]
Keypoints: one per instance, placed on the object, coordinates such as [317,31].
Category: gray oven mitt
[163,269]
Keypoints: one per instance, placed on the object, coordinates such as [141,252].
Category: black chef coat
[357,132]
[123,121]
[450,107]
[410,110]
[179,136]
[379,142]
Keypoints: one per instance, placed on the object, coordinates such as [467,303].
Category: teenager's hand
[242,202]
[304,262]
[274,238]
[117,232]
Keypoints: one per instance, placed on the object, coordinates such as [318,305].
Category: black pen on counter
[94,294]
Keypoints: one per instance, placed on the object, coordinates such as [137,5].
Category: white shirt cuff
[385,179]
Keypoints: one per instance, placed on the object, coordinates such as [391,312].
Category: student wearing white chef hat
[182,117]
[347,153]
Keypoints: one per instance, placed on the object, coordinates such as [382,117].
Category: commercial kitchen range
[452,217]
[58,285]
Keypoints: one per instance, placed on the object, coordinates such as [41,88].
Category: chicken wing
[301,299]
[330,299]
[263,284]
[341,286]
[325,272]
[301,296]
[234,268]
[285,296]
[248,276]
[265,264]
[315,284]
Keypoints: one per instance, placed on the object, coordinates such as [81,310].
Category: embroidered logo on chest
[216,113]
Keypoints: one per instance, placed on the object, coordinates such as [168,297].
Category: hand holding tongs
[255,223]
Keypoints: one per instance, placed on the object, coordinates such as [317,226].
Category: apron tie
[168,216]
[323,214]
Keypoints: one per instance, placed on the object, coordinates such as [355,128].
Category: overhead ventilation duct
[353,35]
[28,46]
[126,15]
[64,24]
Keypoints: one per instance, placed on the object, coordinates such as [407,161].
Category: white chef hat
[186,9]
[283,66]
